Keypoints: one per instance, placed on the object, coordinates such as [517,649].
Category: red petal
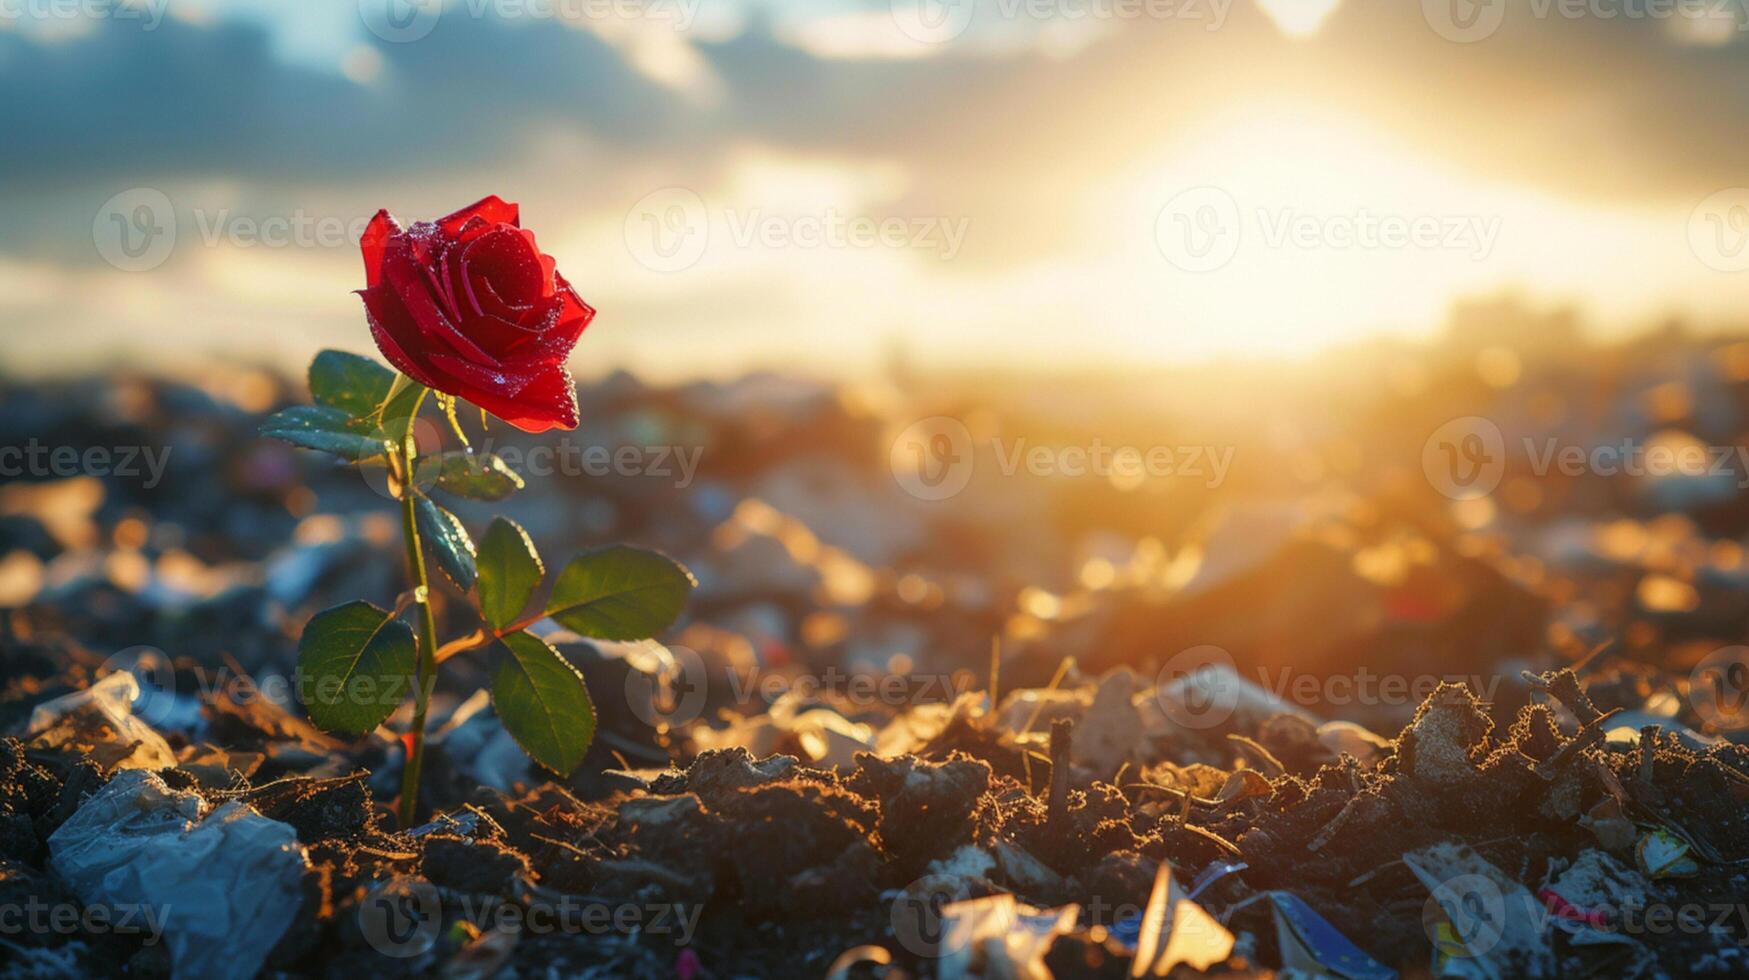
[549,269]
[549,402]
[388,328]
[577,314]
[503,381]
[484,296]
[504,338]
[415,286]
[508,261]
[374,243]
[491,209]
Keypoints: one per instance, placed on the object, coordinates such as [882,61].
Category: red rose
[469,306]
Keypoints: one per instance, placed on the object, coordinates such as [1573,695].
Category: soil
[787,866]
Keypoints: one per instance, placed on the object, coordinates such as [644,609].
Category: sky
[817,184]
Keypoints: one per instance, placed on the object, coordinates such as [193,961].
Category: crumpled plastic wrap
[997,936]
[225,886]
[111,699]
[1489,932]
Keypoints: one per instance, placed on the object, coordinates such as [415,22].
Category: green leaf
[620,593]
[543,704]
[477,476]
[510,569]
[323,428]
[355,664]
[448,542]
[355,385]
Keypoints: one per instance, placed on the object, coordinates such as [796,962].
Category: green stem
[426,679]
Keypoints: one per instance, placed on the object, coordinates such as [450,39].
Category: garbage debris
[224,882]
[1311,946]
[100,722]
[1321,695]
[1481,920]
[1175,931]
[999,937]
[1662,854]
[1588,899]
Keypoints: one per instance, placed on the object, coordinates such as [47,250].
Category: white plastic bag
[224,886]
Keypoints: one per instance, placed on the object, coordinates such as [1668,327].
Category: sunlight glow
[1298,18]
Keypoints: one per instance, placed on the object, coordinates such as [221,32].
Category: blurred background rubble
[1307,533]
[1303,629]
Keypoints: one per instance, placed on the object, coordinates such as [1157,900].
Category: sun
[1298,18]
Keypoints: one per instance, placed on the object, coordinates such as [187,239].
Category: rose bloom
[468,305]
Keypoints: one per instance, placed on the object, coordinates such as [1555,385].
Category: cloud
[1010,136]
[212,100]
